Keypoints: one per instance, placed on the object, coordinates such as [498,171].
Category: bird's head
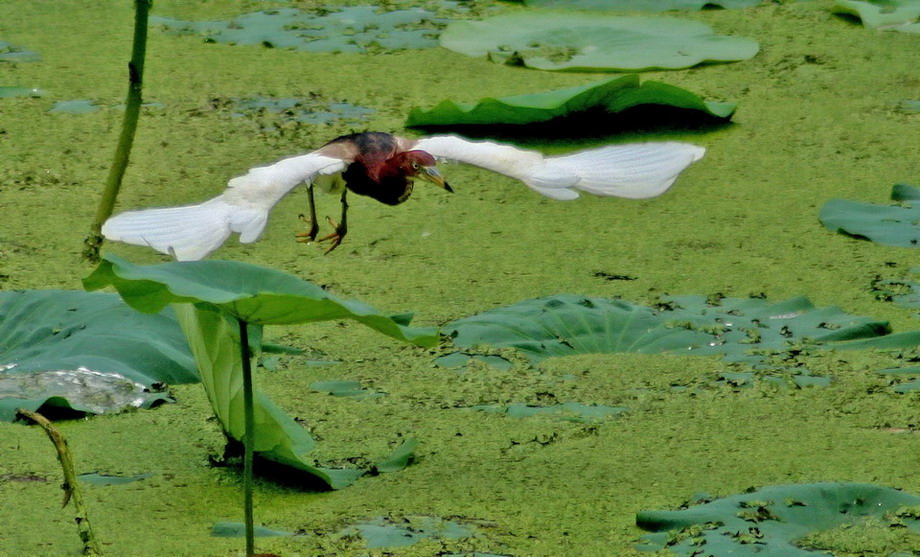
[419,164]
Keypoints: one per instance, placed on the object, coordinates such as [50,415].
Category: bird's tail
[637,171]
[187,233]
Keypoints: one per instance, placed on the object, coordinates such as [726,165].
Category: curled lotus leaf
[607,97]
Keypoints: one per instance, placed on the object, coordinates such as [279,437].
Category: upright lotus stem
[249,437]
[93,242]
[70,486]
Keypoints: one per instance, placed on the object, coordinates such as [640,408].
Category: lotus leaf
[85,352]
[257,295]
[307,111]
[384,532]
[345,388]
[210,298]
[896,15]
[893,225]
[9,91]
[594,42]
[10,53]
[568,324]
[349,29]
[606,97]
[641,5]
[575,411]
[770,520]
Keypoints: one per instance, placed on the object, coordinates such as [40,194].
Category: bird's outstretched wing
[636,170]
[193,231]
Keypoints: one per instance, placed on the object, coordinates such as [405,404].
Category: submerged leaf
[85,352]
[606,97]
[593,42]
[770,520]
[344,29]
[891,225]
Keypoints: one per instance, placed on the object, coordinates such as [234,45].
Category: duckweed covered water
[817,119]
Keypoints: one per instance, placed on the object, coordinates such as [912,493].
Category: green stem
[93,242]
[70,486]
[249,437]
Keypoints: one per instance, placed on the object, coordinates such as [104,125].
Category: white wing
[193,231]
[637,171]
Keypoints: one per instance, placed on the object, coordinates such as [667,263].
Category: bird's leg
[340,229]
[310,234]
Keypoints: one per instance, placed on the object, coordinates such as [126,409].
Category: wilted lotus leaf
[594,42]
[891,225]
[770,520]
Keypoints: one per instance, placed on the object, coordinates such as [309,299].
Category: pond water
[826,110]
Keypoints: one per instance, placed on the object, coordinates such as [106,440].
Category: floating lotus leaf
[349,29]
[770,520]
[10,91]
[891,225]
[605,97]
[574,411]
[85,352]
[210,297]
[594,42]
[568,324]
[641,5]
[888,15]
[11,53]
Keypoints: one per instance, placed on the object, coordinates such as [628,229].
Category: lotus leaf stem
[93,241]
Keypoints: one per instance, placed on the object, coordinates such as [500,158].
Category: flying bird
[384,166]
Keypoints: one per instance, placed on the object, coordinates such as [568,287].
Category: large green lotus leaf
[594,42]
[768,521]
[894,15]
[85,351]
[641,5]
[891,225]
[609,96]
[739,328]
[215,344]
[255,294]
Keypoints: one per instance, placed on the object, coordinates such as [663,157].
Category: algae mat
[817,119]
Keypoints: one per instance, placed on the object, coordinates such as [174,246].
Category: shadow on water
[646,122]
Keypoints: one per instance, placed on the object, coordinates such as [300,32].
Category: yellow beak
[432,175]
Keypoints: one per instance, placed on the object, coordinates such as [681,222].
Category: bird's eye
[415,165]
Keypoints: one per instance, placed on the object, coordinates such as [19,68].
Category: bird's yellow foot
[334,239]
[309,235]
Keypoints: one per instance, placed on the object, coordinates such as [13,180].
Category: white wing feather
[192,232]
[637,171]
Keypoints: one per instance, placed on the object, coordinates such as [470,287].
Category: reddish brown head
[419,164]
